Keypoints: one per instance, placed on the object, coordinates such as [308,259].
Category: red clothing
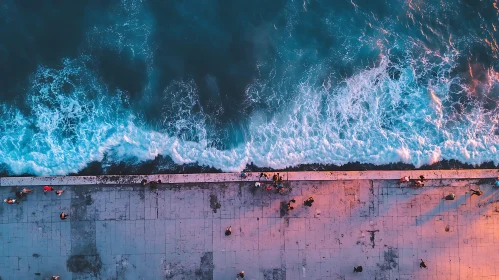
[47,188]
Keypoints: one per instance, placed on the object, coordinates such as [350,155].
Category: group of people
[307,202]
[20,195]
[417,183]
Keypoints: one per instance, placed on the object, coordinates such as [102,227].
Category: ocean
[131,86]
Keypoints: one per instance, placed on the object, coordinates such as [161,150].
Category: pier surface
[118,229]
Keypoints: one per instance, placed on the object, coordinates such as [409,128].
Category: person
[59,192]
[357,269]
[241,274]
[309,202]
[264,175]
[19,194]
[25,190]
[152,184]
[422,178]
[496,183]
[478,192]
[289,204]
[63,216]
[47,189]
[419,183]
[405,179]
[450,197]
[143,182]
[274,179]
[55,277]
[422,264]
[9,200]
[280,179]
[228,231]
[243,175]
[279,187]
[258,184]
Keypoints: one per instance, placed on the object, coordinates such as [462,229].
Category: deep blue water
[222,84]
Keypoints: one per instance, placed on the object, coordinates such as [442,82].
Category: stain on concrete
[205,271]
[390,259]
[84,258]
[214,204]
[240,190]
[36,255]
[85,264]
[89,200]
[372,232]
[122,265]
[274,274]
[283,209]
[142,194]
[172,270]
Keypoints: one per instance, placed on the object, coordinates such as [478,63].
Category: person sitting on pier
[419,183]
[478,192]
[280,179]
[450,197]
[496,183]
[243,175]
[279,187]
[405,179]
[309,202]
[25,190]
[274,178]
[9,200]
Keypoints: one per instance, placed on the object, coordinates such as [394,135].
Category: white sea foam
[364,118]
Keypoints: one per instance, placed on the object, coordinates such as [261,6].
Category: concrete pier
[118,229]
[252,176]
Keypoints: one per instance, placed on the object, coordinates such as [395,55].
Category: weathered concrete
[176,231]
[252,176]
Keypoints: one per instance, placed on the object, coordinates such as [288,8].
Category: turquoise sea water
[228,83]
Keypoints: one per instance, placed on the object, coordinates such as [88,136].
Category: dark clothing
[309,201]
[241,274]
[422,264]
[477,192]
[450,197]
[357,269]
[228,232]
